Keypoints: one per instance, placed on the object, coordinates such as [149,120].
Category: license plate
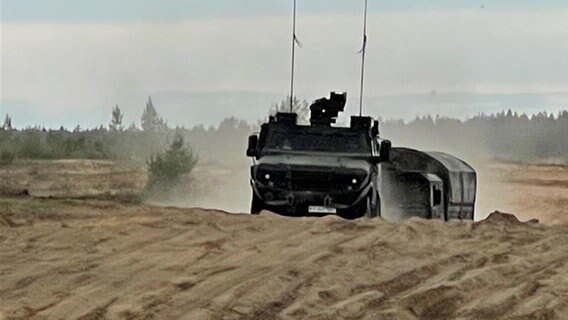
[318,209]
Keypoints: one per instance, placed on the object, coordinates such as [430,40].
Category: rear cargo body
[459,178]
[407,194]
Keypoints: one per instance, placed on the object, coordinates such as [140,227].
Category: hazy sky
[70,61]
[144,10]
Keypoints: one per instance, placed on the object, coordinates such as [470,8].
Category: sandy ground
[72,179]
[529,191]
[90,258]
[69,259]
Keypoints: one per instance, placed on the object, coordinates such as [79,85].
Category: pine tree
[7,123]
[151,121]
[116,122]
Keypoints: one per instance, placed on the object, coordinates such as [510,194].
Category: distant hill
[463,105]
[192,108]
[189,108]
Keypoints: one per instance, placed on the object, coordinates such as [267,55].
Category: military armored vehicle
[321,169]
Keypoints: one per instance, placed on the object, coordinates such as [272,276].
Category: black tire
[257,205]
[373,205]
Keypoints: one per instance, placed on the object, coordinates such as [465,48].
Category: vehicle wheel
[373,205]
[257,205]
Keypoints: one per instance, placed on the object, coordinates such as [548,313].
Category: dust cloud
[223,181]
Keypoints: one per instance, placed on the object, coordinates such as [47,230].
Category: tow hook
[328,201]
[290,199]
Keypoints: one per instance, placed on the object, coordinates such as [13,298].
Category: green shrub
[6,158]
[166,169]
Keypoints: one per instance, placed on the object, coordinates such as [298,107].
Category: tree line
[111,142]
[505,136]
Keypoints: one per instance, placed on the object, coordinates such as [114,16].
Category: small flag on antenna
[298,43]
[364,45]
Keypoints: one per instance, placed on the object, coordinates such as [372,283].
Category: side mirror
[252,150]
[385,151]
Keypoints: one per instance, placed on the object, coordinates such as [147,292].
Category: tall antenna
[362,52]
[295,42]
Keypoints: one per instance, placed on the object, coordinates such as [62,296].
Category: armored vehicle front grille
[310,180]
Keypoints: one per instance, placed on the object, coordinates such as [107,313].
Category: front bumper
[296,201]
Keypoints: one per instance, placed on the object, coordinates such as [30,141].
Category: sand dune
[103,260]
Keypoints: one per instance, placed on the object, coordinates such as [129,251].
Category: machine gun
[324,111]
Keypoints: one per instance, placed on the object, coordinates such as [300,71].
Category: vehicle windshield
[352,142]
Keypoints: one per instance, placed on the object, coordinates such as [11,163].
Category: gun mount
[325,111]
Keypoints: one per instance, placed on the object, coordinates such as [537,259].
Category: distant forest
[506,136]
